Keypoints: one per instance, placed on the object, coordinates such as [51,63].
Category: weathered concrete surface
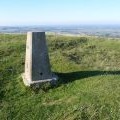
[37,65]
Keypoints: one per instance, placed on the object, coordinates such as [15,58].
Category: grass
[88,86]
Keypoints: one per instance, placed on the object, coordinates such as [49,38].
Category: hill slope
[88,87]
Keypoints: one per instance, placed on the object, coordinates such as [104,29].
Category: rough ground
[88,86]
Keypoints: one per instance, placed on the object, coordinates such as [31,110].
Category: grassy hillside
[88,87]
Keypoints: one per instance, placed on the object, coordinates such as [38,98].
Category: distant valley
[83,30]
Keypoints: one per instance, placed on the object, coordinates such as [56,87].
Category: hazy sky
[38,12]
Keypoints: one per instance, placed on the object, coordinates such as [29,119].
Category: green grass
[88,87]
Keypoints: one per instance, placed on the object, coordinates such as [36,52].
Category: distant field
[88,87]
[112,31]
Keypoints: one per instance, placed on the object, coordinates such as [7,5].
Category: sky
[56,12]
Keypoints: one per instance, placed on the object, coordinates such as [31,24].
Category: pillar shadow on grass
[65,78]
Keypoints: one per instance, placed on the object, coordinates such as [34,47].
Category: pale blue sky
[44,12]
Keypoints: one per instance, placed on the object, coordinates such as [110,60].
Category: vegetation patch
[89,80]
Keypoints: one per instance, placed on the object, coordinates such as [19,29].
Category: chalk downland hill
[88,86]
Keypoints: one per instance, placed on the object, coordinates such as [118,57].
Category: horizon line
[79,24]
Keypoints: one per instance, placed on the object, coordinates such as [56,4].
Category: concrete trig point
[37,65]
